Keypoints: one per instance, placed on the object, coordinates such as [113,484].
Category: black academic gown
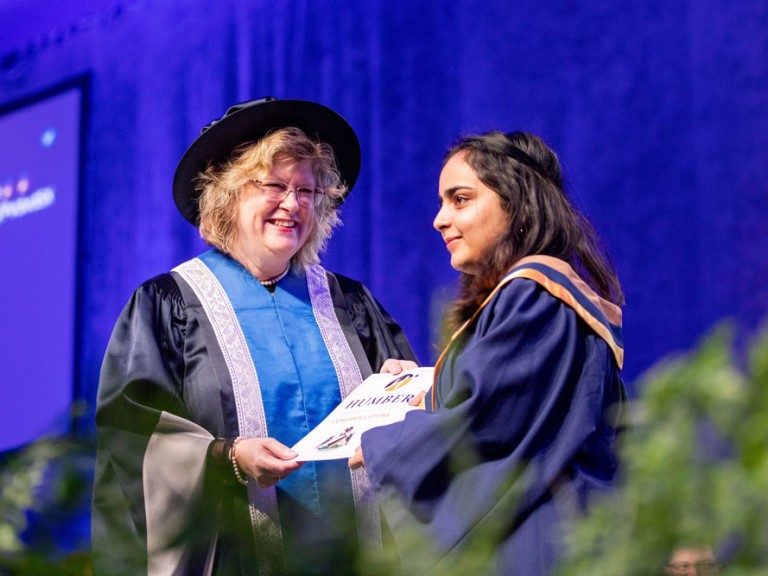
[165,376]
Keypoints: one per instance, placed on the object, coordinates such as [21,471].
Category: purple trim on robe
[245,383]
[348,374]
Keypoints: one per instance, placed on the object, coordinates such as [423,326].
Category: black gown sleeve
[141,377]
[378,333]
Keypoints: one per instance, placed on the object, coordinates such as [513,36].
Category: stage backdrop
[658,108]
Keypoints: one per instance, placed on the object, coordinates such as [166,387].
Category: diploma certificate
[380,399]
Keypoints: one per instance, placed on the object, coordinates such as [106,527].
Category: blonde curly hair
[221,187]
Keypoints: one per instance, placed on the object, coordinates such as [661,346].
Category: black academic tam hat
[252,120]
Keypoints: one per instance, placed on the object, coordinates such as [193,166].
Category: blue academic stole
[291,337]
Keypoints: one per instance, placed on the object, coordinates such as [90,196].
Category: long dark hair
[526,174]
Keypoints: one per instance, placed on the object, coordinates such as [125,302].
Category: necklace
[276,279]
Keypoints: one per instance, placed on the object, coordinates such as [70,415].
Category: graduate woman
[520,427]
[216,368]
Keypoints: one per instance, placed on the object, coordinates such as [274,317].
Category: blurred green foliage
[695,469]
[44,503]
[695,473]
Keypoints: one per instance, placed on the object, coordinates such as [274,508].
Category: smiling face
[268,233]
[471,218]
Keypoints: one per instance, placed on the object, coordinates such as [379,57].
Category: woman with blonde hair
[215,369]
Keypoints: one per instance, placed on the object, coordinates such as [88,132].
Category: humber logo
[398,382]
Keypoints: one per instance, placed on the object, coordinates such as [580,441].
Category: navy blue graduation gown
[521,435]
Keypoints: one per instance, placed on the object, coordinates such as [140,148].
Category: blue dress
[521,434]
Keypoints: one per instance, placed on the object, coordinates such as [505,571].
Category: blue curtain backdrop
[658,109]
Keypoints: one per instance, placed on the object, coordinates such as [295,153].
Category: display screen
[39,185]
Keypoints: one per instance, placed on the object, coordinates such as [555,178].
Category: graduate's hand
[265,460]
[357,461]
[418,400]
[395,366]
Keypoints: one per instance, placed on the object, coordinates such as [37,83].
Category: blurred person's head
[685,561]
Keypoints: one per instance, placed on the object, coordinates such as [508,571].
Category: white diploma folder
[380,399]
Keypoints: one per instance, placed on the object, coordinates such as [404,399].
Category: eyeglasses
[705,567]
[277,191]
